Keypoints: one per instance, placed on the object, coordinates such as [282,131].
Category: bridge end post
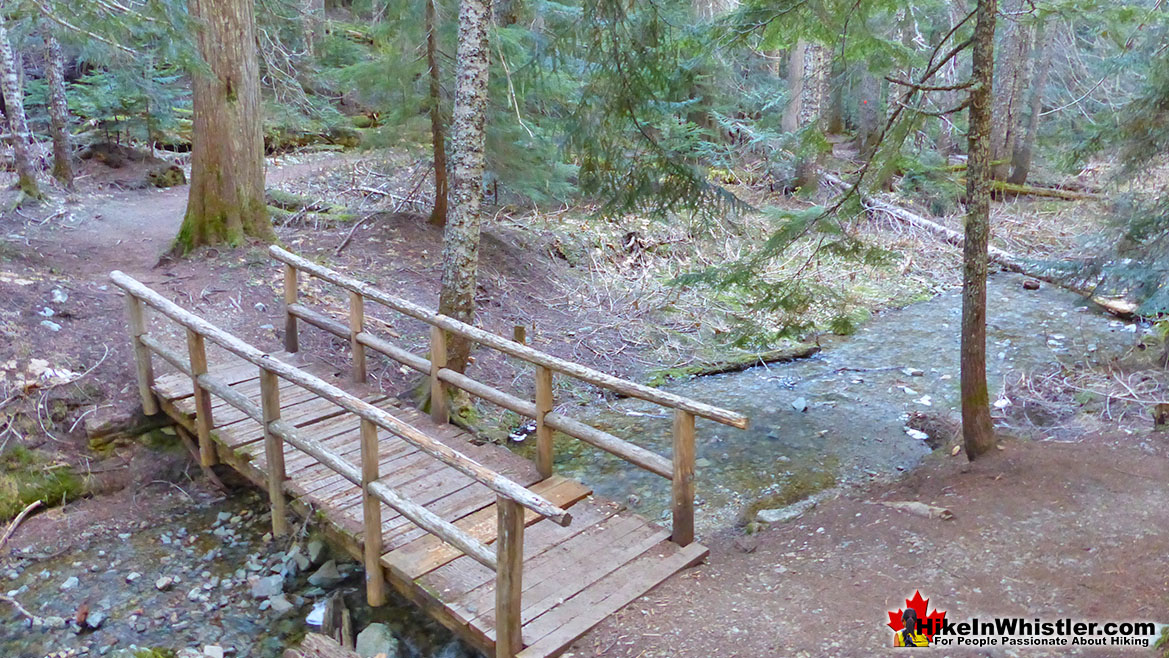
[544,404]
[273,449]
[291,340]
[197,353]
[356,326]
[683,480]
[509,552]
[375,582]
[439,409]
[142,361]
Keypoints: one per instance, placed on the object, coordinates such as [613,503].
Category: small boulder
[326,576]
[280,604]
[377,639]
[267,587]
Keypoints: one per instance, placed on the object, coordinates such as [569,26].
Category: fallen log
[733,364]
[1119,307]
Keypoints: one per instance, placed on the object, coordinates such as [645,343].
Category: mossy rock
[167,177]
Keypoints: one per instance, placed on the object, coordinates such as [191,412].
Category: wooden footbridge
[515,559]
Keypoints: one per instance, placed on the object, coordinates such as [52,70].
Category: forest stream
[837,418]
[842,416]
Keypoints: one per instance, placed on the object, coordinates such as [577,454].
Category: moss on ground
[26,476]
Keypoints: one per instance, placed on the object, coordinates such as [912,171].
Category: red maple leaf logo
[930,622]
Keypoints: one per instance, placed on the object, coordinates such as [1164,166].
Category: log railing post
[197,352]
[544,404]
[509,553]
[375,583]
[683,480]
[141,355]
[291,340]
[439,411]
[356,326]
[273,449]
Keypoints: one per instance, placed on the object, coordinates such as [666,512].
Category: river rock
[268,586]
[213,651]
[95,619]
[54,622]
[784,514]
[377,639]
[70,583]
[800,404]
[280,604]
[316,550]
[326,576]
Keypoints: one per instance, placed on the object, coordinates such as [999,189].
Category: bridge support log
[273,449]
[683,480]
[141,355]
[509,584]
[197,353]
[375,583]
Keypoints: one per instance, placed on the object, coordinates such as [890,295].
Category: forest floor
[1039,528]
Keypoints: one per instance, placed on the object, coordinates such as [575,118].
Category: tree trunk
[813,93]
[58,112]
[17,122]
[1010,78]
[460,254]
[314,23]
[437,130]
[226,200]
[977,429]
[795,87]
[868,115]
[1025,147]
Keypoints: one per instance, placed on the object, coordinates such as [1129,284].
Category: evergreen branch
[923,87]
[65,24]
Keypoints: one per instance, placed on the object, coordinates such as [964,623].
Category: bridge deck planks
[574,577]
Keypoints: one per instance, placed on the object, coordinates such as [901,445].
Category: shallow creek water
[213,554]
[856,397]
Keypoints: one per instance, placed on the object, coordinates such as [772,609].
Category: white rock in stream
[377,639]
[70,583]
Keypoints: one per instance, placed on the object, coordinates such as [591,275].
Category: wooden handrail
[523,352]
[489,478]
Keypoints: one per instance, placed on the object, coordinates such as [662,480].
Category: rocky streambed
[211,582]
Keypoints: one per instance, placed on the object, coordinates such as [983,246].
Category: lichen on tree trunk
[460,254]
[977,428]
[226,199]
[17,122]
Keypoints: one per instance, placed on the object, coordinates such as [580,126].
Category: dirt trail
[130,230]
[1040,530]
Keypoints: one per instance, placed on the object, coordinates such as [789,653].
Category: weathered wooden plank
[572,561]
[550,633]
[427,553]
[460,576]
[567,575]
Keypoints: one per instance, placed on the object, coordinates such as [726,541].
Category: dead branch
[17,521]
